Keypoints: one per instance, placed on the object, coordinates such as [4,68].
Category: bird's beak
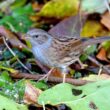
[27,39]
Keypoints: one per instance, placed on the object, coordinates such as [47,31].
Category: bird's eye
[36,36]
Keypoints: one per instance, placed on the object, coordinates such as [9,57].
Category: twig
[4,40]
[76,82]
[47,74]
[100,70]
[99,64]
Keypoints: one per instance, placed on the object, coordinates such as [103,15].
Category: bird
[59,52]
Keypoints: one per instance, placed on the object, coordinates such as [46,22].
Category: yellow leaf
[93,28]
[59,8]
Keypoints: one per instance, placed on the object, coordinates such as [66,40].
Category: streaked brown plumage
[59,53]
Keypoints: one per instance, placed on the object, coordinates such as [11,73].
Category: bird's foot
[81,64]
[47,75]
[64,77]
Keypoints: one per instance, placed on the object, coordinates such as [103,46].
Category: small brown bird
[60,53]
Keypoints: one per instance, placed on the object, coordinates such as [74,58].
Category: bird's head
[38,37]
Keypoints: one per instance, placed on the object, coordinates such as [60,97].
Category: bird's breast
[45,55]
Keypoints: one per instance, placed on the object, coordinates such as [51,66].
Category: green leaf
[7,55]
[87,97]
[1,14]
[27,10]
[11,70]
[14,91]
[5,21]
[83,57]
[23,23]
[59,9]
[19,21]
[5,79]
[18,3]
[7,104]
[40,85]
[90,49]
[11,90]
[106,45]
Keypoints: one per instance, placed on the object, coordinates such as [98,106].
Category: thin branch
[76,82]
[99,64]
[47,74]
[4,40]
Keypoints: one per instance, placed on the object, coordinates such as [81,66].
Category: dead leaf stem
[4,40]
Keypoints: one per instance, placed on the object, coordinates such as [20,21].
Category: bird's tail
[90,41]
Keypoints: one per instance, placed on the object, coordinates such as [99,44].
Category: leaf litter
[62,20]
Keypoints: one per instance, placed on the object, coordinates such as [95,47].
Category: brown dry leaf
[102,55]
[36,6]
[31,94]
[108,54]
[106,20]
[57,73]
[15,42]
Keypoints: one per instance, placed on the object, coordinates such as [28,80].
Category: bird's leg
[100,70]
[81,64]
[64,77]
[47,75]
[64,70]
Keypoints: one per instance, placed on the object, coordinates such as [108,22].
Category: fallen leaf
[15,42]
[102,55]
[8,104]
[106,20]
[59,9]
[19,19]
[93,28]
[106,46]
[36,6]
[80,97]
[31,94]
[56,73]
